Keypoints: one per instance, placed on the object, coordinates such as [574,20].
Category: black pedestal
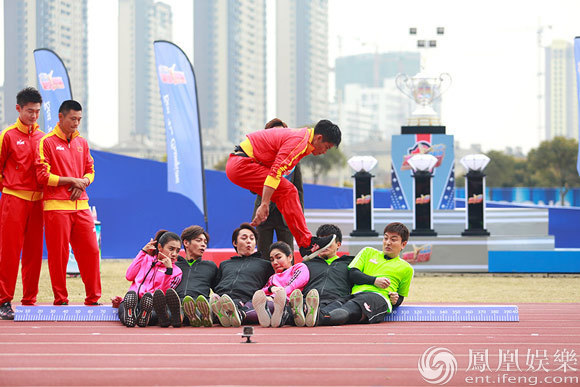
[422,129]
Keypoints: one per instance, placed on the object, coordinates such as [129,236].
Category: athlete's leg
[32,253]
[13,212]
[58,226]
[86,250]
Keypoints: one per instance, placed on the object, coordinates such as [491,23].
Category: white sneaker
[297,305]
[259,301]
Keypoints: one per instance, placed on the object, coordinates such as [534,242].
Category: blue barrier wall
[534,261]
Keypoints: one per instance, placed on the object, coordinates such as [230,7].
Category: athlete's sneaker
[130,303]
[259,301]
[229,308]
[174,306]
[297,306]
[279,306]
[190,312]
[202,305]
[317,245]
[312,302]
[160,308]
[215,302]
[6,311]
[145,309]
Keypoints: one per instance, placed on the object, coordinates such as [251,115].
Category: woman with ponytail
[153,271]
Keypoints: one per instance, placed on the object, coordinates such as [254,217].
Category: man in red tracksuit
[65,167]
[260,162]
[20,204]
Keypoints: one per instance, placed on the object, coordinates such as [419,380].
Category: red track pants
[78,229]
[20,231]
[249,174]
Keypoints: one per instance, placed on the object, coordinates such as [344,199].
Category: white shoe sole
[279,305]
[312,303]
[321,249]
[259,302]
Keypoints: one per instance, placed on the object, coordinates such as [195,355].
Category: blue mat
[402,313]
[65,313]
[454,313]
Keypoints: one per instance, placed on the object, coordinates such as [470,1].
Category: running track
[108,354]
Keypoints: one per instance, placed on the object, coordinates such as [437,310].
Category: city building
[59,25]
[230,68]
[560,94]
[141,121]
[302,61]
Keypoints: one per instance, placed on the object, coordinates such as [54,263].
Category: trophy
[423,89]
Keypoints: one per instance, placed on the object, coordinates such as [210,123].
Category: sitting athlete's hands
[261,214]
[149,248]
[382,282]
[75,193]
[394,297]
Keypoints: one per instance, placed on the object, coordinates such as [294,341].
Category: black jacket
[197,279]
[331,281]
[239,277]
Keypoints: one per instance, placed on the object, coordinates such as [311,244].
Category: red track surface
[108,354]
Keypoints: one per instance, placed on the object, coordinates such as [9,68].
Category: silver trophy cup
[424,90]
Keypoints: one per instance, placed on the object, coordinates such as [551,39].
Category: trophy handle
[445,81]
[402,81]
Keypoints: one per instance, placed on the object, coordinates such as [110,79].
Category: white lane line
[299,334]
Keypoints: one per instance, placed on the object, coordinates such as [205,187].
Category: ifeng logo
[437,365]
[170,76]
[48,82]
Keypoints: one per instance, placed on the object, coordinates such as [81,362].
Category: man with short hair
[275,221]
[329,281]
[199,276]
[260,162]
[20,204]
[66,168]
[379,277]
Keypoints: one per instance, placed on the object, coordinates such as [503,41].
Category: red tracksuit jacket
[59,157]
[280,149]
[17,151]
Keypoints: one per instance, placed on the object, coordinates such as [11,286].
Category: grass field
[449,288]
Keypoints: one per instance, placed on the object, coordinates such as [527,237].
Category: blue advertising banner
[183,132]
[54,85]
[403,147]
[577,62]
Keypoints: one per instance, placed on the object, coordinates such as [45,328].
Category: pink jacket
[148,275]
[295,277]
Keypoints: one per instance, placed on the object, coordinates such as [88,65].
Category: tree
[553,164]
[321,165]
[506,171]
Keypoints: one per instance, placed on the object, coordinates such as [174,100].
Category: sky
[490,49]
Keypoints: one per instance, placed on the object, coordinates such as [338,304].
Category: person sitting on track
[376,274]
[199,277]
[238,278]
[152,270]
[273,311]
[329,281]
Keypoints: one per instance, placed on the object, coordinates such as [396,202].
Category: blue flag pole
[178,89]
[577,67]
[54,84]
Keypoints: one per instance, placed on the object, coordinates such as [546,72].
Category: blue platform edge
[65,313]
[454,313]
[402,313]
[534,261]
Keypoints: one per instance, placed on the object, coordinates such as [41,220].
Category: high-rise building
[230,69]
[141,123]
[302,61]
[561,100]
[60,25]
[371,70]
